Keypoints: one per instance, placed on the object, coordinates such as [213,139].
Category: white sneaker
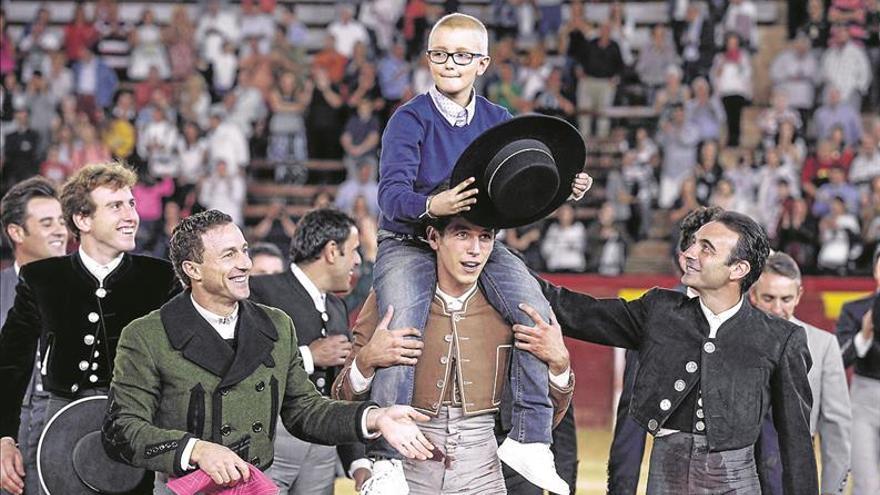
[387,479]
[534,461]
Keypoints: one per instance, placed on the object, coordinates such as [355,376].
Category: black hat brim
[565,143]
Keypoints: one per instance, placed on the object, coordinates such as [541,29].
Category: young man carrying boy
[422,142]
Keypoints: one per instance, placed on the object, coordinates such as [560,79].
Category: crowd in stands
[195,103]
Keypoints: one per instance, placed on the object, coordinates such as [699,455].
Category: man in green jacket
[199,382]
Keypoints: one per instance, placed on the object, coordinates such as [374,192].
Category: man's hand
[360,476]
[453,201]
[11,467]
[330,351]
[543,340]
[224,466]
[389,347]
[581,184]
[397,424]
[868,326]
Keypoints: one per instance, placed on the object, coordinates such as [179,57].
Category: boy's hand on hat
[581,184]
[453,201]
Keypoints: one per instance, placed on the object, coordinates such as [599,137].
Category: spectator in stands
[7,48]
[359,58]
[65,140]
[217,29]
[835,112]
[330,60]
[393,73]
[360,139]
[797,231]
[37,44]
[365,87]
[276,226]
[143,90]
[551,100]
[114,45]
[685,202]
[817,26]
[80,33]
[705,111]
[52,168]
[791,146]
[739,171]
[362,184]
[631,190]
[527,241]
[599,69]
[707,172]
[120,137]
[192,155]
[865,167]
[89,148]
[194,101]
[845,66]
[816,167]
[256,66]
[533,74]
[564,244]
[838,237]
[415,26]
[732,79]
[287,126]
[94,82]
[157,145]
[324,118]
[60,77]
[872,45]
[149,194]
[347,31]
[673,93]
[575,23]
[725,197]
[870,216]
[678,139]
[850,14]
[267,259]
[771,118]
[257,24]
[768,206]
[41,104]
[697,43]
[549,20]
[607,243]
[653,60]
[224,189]
[181,44]
[158,100]
[795,72]
[148,49]
[21,159]
[837,188]
[245,105]
[623,30]
[741,18]
[506,91]
[226,142]
[224,70]
[381,16]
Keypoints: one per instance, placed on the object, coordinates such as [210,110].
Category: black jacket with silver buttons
[76,322]
[755,361]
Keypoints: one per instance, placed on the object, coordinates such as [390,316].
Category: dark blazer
[848,325]
[757,361]
[60,306]
[285,292]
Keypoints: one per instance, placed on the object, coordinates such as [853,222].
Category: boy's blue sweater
[419,150]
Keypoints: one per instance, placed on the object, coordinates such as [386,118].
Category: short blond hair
[76,198]
[457,20]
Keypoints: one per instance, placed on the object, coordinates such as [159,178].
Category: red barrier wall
[594,365]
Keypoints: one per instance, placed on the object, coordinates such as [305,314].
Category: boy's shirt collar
[455,114]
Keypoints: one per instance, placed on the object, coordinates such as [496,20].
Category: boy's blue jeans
[405,276]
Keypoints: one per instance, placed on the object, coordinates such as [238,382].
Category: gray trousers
[865,399]
[682,464]
[471,464]
[300,467]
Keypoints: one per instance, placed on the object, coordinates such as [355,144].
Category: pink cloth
[198,482]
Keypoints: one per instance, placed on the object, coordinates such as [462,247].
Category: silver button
[679,385]
[97,354]
[665,404]
[448,338]
[700,426]
[709,347]
[89,339]
[320,382]
[93,378]
[93,317]
[691,366]
[440,383]
[39,387]
[700,413]
[83,365]
[652,424]
[456,317]
[444,359]
[325,317]
[700,401]
[101,292]
[74,388]
[435,405]
[94,366]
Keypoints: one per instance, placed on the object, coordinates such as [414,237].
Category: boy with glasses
[420,145]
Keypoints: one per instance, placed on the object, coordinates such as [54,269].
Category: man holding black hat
[73,307]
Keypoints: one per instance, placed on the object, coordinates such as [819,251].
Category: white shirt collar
[318,297]
[455,114]
[224,325]
[455,303]
[16,267]
[98,270]
[716,321]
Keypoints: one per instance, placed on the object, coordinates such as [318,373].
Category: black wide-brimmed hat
[523,168]
[70,456]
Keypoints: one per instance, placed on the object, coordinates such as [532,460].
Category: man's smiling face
[462,251]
